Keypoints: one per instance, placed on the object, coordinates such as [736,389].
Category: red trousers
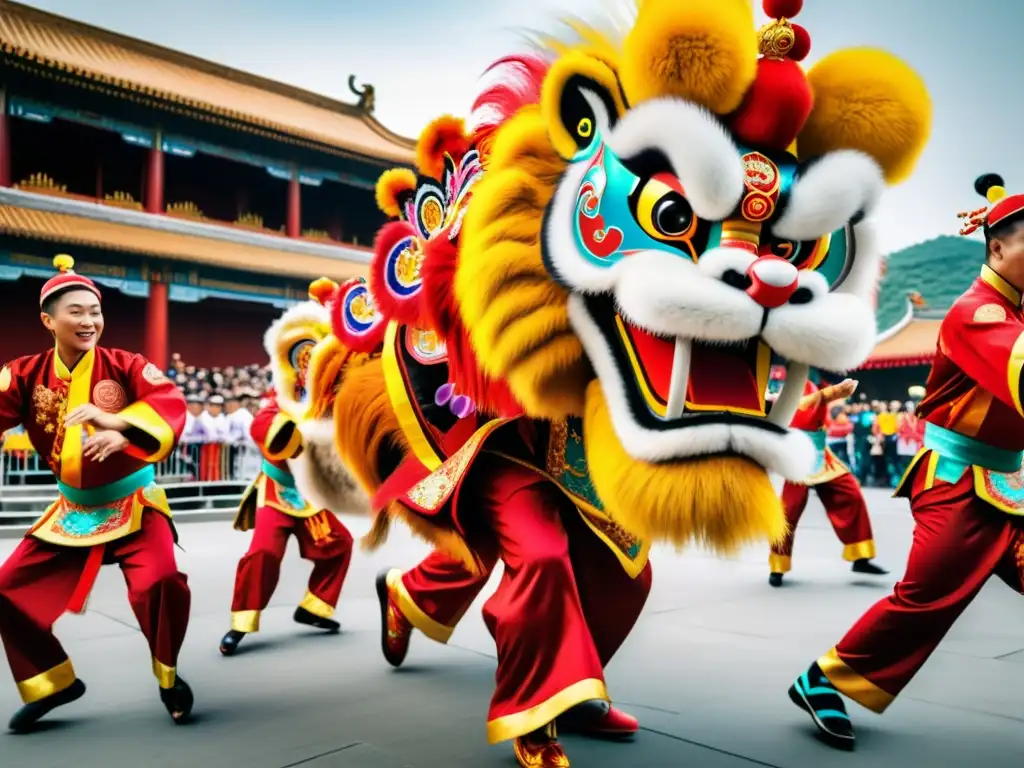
[436,593]
[260,567]
[846,510]
[959,542]
[562,609]
[39,579]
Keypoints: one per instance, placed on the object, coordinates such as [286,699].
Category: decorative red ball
[778,9]
[801,44]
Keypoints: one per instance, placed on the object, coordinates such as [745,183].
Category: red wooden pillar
[293,223]
[154,202]
[156,323]
[5,142]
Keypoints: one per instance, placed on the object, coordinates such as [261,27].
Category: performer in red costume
[276,504]
[276,509]
[966,486]
[101,418]
[514,512]
[835,485]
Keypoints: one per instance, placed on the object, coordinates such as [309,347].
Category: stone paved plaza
[706,671]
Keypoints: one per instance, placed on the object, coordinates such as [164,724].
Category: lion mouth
[678,382]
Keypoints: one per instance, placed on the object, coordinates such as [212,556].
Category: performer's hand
[103,444]
[92,416]
[845,388]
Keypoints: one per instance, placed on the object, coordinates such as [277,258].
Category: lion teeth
[786,404]
[680,379]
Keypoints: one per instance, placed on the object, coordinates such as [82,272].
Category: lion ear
[868,100]
[580,100]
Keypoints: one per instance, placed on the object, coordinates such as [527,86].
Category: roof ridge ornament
[366,94]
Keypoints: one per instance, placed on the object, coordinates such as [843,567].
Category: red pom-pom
[782,9]
[776,106]
[801,44]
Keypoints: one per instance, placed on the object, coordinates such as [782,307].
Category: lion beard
[719,502]
[320,475]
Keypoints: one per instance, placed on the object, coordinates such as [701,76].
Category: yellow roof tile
[117,60]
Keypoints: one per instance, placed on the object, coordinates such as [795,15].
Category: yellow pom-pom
[868,100]
[704,51]
[63,262]
[322,290]
[393,187]
[995,194]
[445,135]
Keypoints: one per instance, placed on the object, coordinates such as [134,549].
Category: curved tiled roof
[100,56]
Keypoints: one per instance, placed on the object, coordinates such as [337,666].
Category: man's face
[231,406]
[195,408]
[1007,256]
[213,410]
[76,321]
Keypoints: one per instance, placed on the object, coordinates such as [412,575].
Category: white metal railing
[199,480]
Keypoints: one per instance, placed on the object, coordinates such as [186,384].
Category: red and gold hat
[1002,206]
[66,279]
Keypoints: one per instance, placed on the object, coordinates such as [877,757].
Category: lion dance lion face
[684,207]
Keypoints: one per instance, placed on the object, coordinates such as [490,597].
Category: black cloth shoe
[775,579]
[30,714]
[302,616]
[229,643]
[866,566]
[815,695]
[178,701]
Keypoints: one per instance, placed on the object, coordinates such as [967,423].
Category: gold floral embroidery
[434,490]
[556,448]
[50,407]
[153,375]
[989,313]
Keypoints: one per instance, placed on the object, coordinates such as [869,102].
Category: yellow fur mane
[517,315]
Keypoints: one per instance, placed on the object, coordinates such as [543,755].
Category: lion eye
[672,215]
[662,211]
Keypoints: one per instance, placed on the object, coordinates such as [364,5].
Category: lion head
[682,207]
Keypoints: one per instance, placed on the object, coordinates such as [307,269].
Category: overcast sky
[424,56]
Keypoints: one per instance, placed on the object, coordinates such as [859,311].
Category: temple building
[202,199]
[918,288]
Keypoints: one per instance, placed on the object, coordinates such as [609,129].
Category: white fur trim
[866,271]
[306,313]
[669,295]
[319,474]
[792,455]
[701,151]
[834,331]
[835,189]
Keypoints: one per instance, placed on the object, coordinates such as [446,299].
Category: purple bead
[444,394]
[462,406]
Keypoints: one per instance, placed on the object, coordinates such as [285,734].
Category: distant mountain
[939,269]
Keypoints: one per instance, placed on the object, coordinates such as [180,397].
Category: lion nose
[772,281]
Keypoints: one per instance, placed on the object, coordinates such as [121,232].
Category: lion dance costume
[643,239]
[278,502]
[835,485]
[965,490]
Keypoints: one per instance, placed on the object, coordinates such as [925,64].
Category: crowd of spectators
[221,401]
[876,439]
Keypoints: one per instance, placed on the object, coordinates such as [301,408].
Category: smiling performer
[835,485]
[101,418]
[273,507]
[966,486]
